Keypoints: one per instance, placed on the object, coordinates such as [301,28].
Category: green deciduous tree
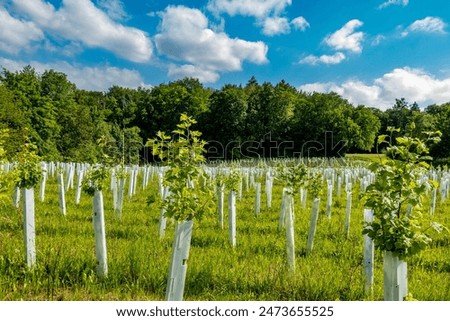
[397,197]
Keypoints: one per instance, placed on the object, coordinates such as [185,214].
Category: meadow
[255,269]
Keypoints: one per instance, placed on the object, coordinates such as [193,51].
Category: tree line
[237,121]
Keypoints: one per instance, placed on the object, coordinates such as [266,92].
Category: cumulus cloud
[15,34]
[378,39]
[346,38]
[113,8]
[185,36]
[269,14]
[203,75]
[98,78]
[82,21]
[393,2]
[275,26]
[280,25]
[428,25]
[253,8]
[324,59]
[300,23]
[411,84]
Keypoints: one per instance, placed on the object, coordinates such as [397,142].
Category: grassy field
[366,157]
[255,269]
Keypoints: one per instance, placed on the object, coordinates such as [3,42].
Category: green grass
[366,157]
[138,261]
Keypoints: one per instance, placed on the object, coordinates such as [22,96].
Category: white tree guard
[257,198]
[303,196]
[136,173]
[160,185]
[247,180]
[290,240]
[329,199]
[16,196]
[120,196]
[43,183]
[281,218]
[61,194]
[348,212]
[232,217]
[269,186]
[79,187]
[69,177]
[433,201]
[144,177]
[28,226]
[100,234]
[339,186]
[220,197]
[313,225]
[162,216]
[131,184]
[369,253]
[240,188]
[395,277]
[114,190]
[178,264]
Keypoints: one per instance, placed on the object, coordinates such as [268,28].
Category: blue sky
[370,52]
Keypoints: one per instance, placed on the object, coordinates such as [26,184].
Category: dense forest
[251,120]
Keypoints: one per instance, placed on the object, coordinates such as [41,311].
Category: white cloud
[185,36]
[280,25]
[411,84]
[114,9]
[203,75]
[275,26]
[346,38]
[378,39]
[82,21]
[300,23]
[393,2]
[324,59]
[428,24]
[269,14]
[15,34]
[253,8]
[89,78]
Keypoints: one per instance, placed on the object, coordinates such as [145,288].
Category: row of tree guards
[233,181]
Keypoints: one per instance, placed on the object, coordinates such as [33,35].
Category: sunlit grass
[256,269]
[366,157]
